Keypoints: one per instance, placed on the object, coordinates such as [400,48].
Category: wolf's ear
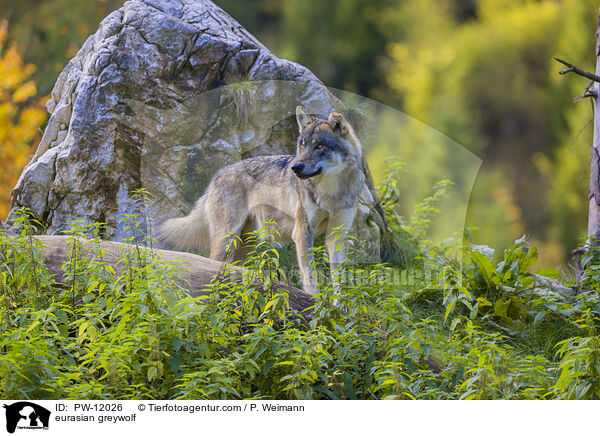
[303,118]
[338,122]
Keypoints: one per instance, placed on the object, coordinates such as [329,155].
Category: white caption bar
[279,418]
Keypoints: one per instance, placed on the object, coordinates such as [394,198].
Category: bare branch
[573,69]
[589,92]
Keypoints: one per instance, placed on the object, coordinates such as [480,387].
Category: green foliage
[580,363]
[479,329]
[134,333]
[482,288]
[533,138]
[344,49]
[421,219]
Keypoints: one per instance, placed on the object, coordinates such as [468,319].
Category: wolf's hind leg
[221,235]
[218,247]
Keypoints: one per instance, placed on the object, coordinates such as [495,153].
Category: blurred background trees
[479,71]
[21,114]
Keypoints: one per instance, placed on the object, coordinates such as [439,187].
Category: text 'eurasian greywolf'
[313,192]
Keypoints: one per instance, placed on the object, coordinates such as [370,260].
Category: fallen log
[195,272]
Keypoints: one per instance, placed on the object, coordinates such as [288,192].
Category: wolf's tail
[190,232]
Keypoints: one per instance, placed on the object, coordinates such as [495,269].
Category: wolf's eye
[320,146]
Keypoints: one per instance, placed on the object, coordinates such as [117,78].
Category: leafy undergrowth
[470,328]
[482,331]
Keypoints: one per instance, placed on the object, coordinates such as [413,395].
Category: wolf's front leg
[303,238]
[336,242]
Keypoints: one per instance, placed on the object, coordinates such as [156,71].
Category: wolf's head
[325,146]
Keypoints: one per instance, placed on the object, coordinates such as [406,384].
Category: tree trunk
[594,210]
[195,272]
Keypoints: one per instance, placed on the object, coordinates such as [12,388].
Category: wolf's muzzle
[298,170]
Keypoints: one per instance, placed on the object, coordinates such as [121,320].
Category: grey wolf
[312,192]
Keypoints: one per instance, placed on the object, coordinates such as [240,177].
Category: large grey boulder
[160,97]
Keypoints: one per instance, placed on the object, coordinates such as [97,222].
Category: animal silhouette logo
[24,414]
